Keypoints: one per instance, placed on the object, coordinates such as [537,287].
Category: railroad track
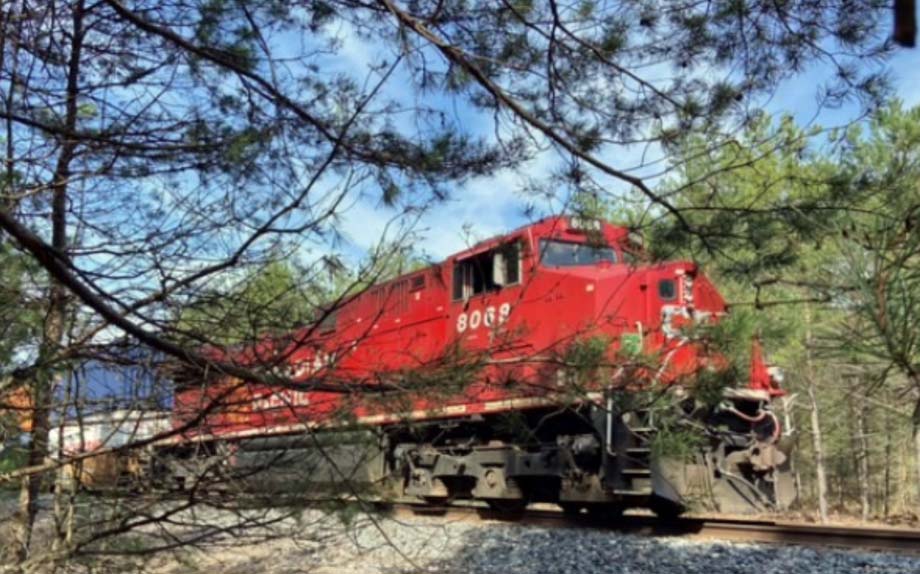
[877,539]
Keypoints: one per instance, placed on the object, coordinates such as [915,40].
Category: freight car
[551,364]
[104,432]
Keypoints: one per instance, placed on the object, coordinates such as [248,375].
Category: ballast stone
[433,545]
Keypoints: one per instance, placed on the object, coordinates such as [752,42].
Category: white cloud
[484,206]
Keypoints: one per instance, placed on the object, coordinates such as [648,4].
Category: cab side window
[667,290]
[487,271]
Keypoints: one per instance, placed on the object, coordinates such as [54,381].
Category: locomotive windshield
[565,254]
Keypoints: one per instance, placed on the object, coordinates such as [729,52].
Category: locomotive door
[486,285]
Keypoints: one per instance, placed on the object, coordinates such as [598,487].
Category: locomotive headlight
[776,374]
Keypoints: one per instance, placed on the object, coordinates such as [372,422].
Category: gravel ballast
[415,544]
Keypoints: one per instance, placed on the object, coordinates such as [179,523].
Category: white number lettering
[489,318]
[485,317]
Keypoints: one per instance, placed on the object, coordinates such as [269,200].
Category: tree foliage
[162,157]
[880,266]
[20,317]
[811,239]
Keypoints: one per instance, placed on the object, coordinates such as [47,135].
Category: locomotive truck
[552,364]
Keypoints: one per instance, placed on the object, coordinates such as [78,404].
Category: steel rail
[863,538]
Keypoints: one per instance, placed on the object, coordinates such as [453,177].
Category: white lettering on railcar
[282,398]
[320,361]
[487,317]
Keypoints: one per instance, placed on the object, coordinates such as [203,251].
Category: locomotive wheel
[571,508]
[507,506]
[605,511]
[665,509]
[436,500]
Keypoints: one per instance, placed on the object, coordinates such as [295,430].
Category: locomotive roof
[553,225]
[556,225]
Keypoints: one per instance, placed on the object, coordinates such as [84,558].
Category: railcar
[553,364]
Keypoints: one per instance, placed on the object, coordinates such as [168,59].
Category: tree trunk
[817,439]
[818,447]
[54,325]
[65,488]
[917,461]
[886,490]
[914,378]
[862,459]
[788,422]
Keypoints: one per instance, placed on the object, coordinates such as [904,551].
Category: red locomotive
[549,364]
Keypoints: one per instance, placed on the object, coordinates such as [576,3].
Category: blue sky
[488,206]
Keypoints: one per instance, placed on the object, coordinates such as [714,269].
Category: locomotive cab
[528,298]
[589,280]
